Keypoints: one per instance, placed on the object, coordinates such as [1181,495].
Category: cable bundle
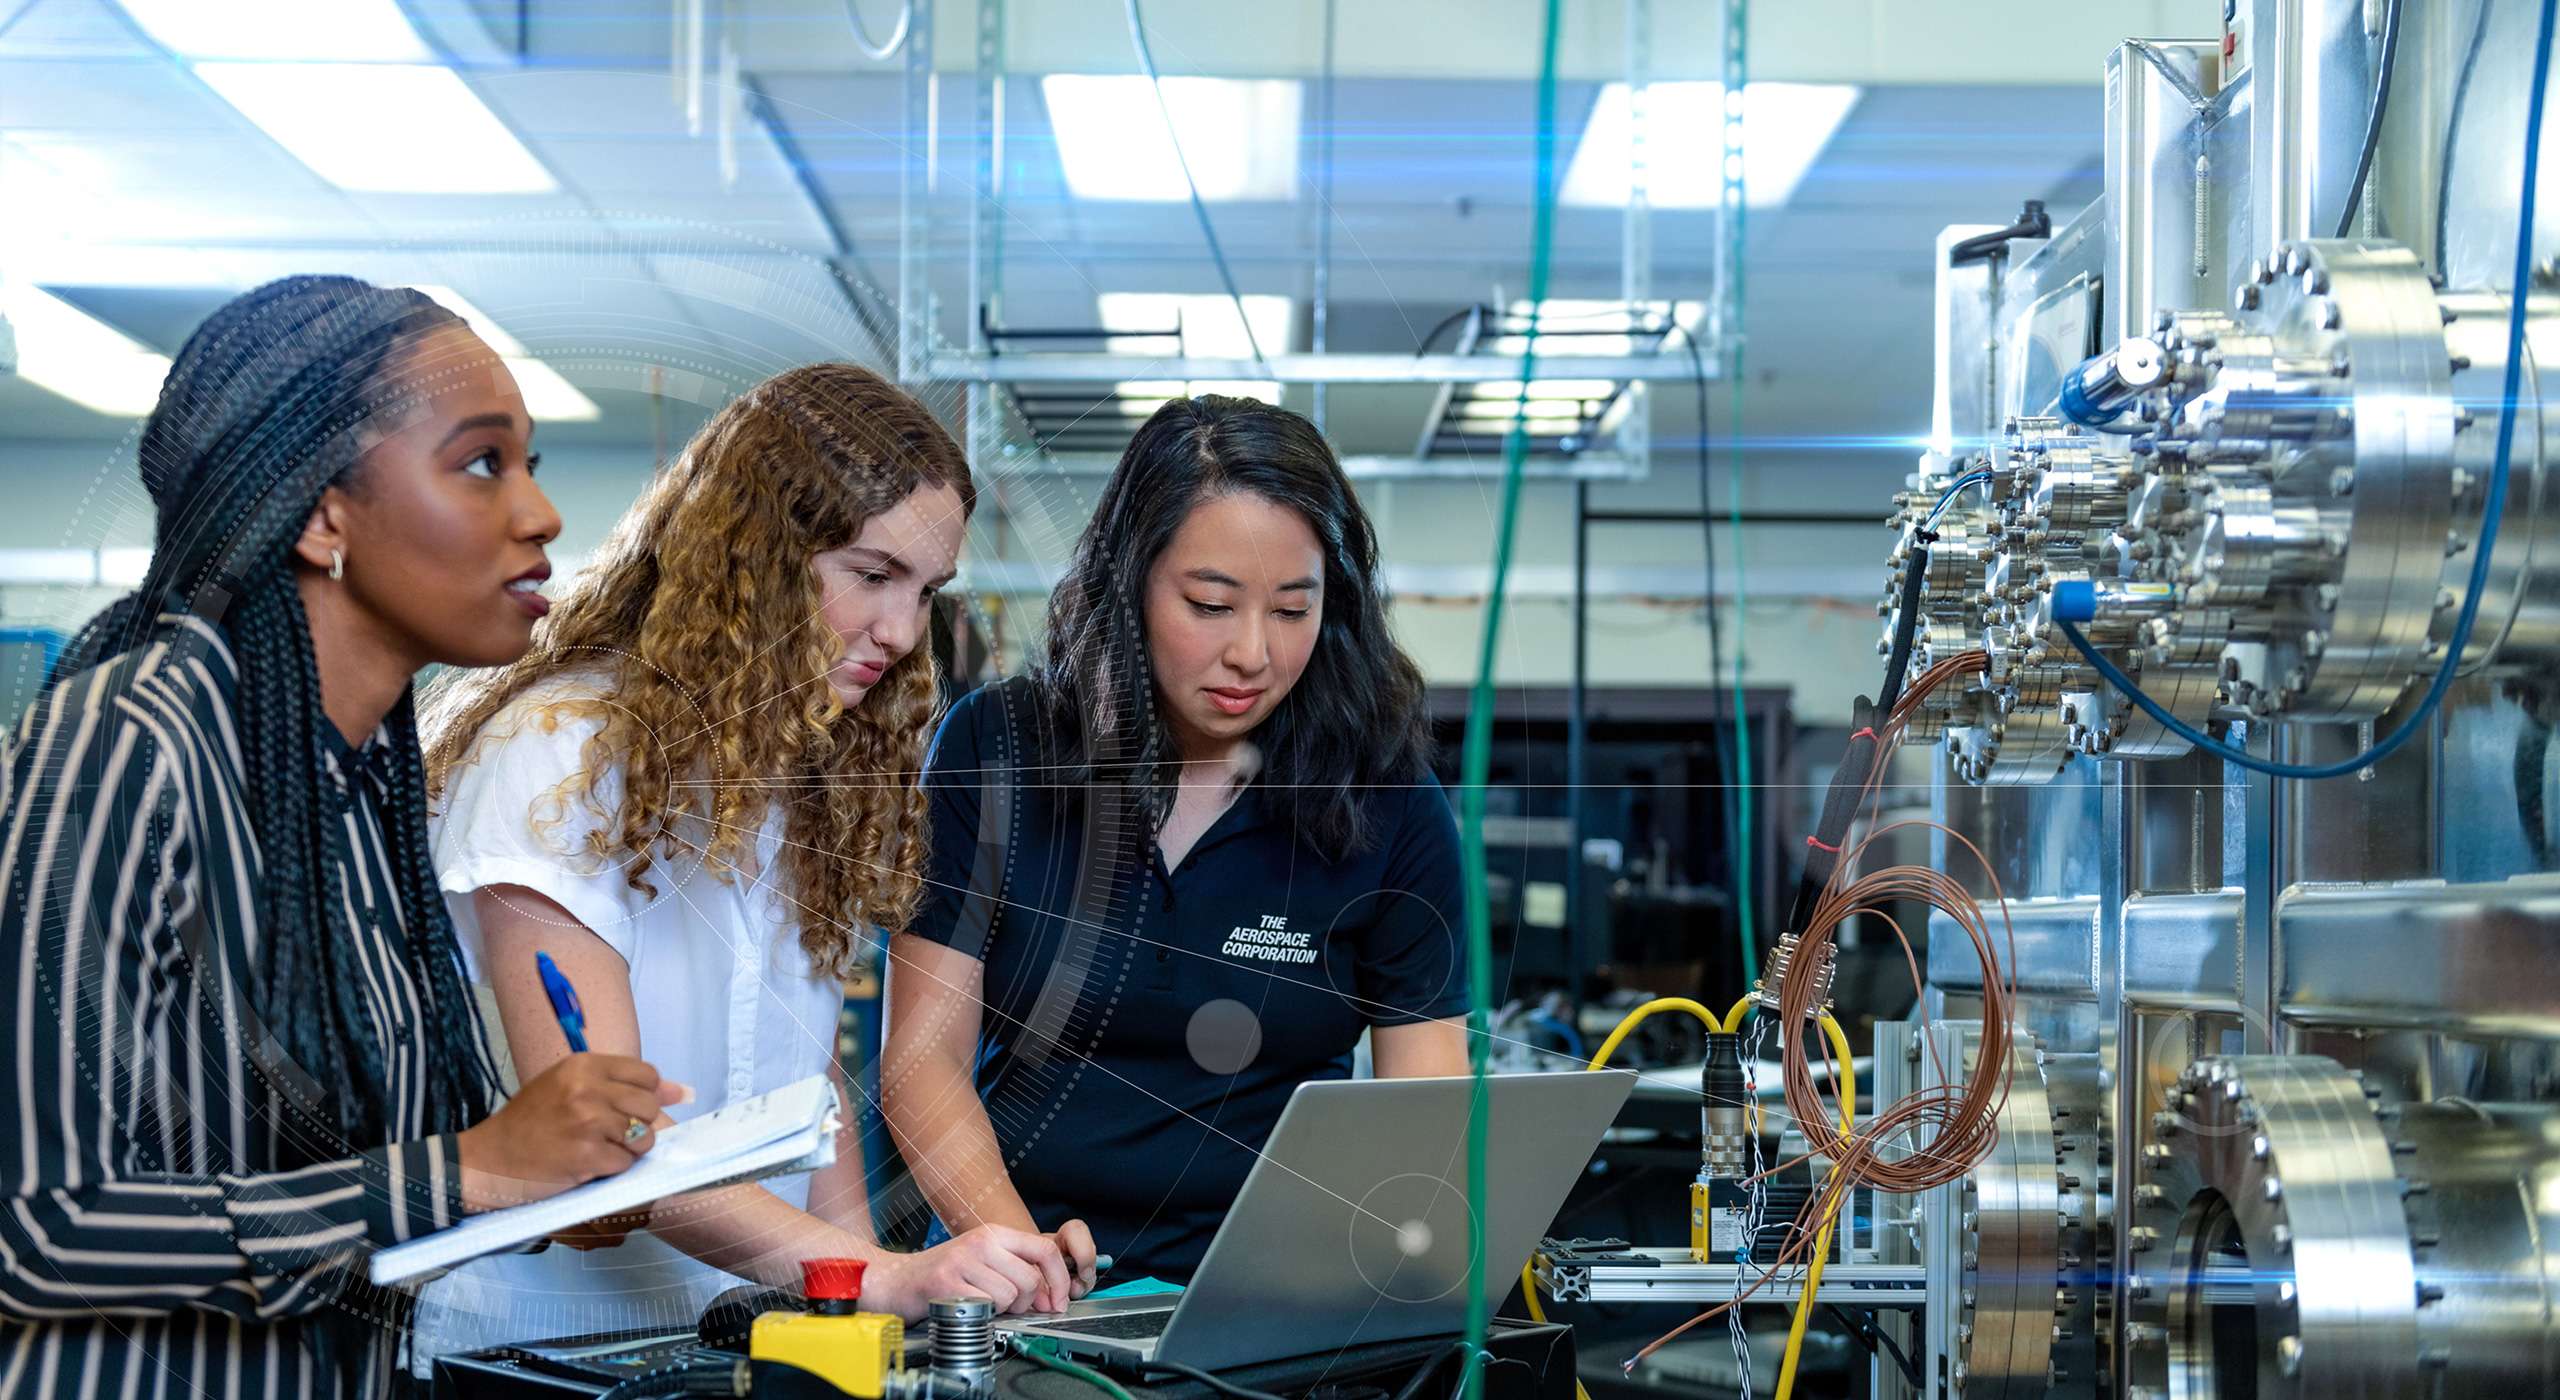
[1928,1138]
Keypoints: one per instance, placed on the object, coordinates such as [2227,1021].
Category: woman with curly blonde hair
[694,793]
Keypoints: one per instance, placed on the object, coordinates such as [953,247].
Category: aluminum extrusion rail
[1670,1276]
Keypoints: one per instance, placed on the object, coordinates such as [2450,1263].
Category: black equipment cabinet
[1648,874]
[1532,1361]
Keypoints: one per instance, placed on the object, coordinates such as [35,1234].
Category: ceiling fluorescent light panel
[1589,320]
[350,89]
[282,31]
[1240,136]
[67,351]
[548,395]
[382,127]
[1784,128]
[1210,330]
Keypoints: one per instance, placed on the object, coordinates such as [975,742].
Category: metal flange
[2483,1190]
[2023,1238]
[2269,1245]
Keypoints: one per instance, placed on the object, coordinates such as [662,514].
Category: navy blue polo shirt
[1143,1027]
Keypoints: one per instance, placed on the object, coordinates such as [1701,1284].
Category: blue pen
[564,1003]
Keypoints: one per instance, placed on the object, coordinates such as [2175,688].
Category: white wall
[83,495]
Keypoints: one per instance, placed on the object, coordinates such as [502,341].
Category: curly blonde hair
[702,611]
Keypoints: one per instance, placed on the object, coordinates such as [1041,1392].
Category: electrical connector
[1766,991]
[1727,1113]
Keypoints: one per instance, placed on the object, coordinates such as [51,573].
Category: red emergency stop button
[832,1280]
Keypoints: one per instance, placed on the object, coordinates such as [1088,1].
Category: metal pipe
[1749,517]
[2408,167]
[2314,76]
[1634,417]
[1469,337]
[2155,95]
[915,168]
[1332,368]
[1320,305]
[986,247]
[1577,730]
[2265,845]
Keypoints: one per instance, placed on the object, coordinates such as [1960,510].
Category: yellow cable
[1635,1018]
[1822,1239]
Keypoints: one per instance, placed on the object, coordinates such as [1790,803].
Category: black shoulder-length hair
[1353,723]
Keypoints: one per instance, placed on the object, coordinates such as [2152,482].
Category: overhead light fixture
[1509,389]
[282,31]
[382,127]
[1784,127]
[548,397]
[351,89]
[67,351]
[1239,135]
[1210,329]
[1504,410]
[1594,326]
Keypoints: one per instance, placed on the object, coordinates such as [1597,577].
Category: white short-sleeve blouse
[727,1001]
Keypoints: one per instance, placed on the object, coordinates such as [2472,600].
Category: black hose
[1730,797]
[1870,1335]
[1217,1383]
[2373,119]
[1422,347]
[1849,780]
[2033,222]
[1431,1367]
[1906,622]
[694,1375]
[2453,127]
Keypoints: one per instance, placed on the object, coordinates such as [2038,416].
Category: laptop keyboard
[1118,1327]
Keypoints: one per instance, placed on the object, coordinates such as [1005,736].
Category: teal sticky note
[1137,1288]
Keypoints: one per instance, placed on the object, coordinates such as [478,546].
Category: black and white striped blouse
[169,1225]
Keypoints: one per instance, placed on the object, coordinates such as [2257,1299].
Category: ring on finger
[635,1132]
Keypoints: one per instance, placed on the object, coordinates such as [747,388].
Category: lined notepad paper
[792,1129]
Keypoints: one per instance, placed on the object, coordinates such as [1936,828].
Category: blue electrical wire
[1968,479]
[2491,512]
[1562,1031]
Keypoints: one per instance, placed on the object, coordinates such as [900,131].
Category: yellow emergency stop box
[856,1353]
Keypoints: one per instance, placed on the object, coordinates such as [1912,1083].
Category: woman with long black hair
[244,1057]
[1181,868]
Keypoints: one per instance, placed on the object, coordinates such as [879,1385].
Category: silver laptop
[1352,1226]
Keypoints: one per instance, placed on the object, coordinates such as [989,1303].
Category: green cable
[1741,717]
[1478,761]
[1040,1356]
[1736,81]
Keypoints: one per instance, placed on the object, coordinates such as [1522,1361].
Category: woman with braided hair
[244,1054]
[697,793]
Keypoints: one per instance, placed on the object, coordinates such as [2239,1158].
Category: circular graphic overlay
[1409,1238]
[1224,1036]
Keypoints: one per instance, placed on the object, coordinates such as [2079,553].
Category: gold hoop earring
[337,564]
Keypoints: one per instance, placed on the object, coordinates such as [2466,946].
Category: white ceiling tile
[620,141]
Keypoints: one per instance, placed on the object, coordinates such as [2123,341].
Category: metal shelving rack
[1015,400]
